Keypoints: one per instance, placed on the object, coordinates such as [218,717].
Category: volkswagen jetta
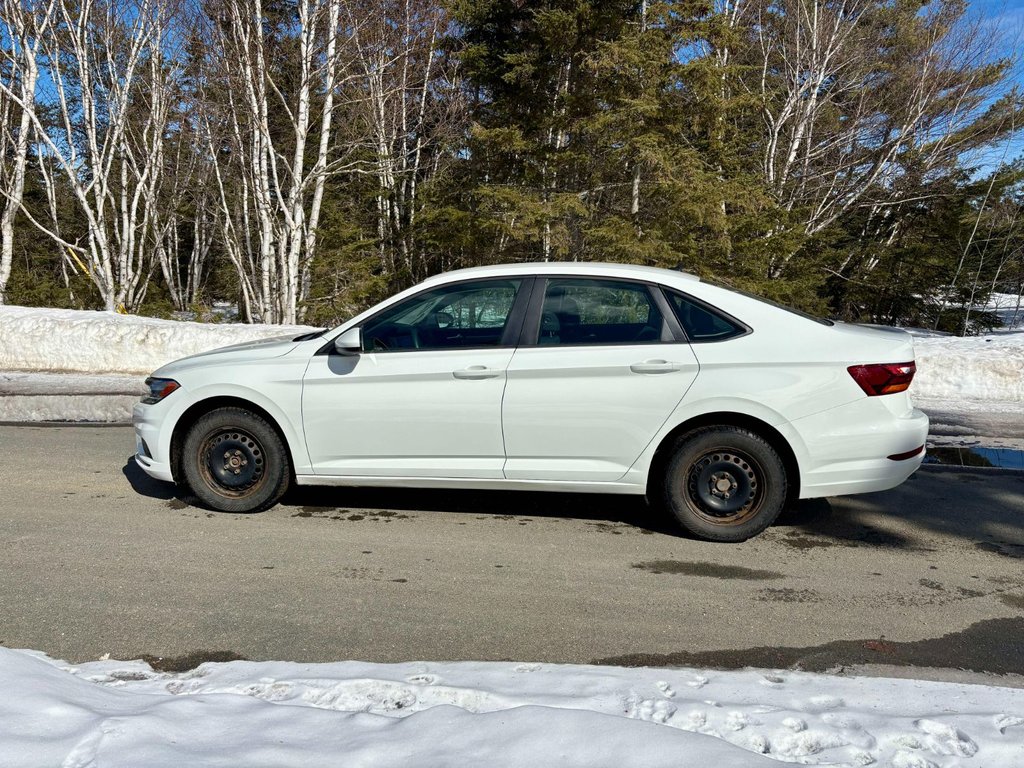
[557,376]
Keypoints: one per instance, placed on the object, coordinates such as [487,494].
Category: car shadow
[605,508]
[982,507]
[144,485]
[931,502]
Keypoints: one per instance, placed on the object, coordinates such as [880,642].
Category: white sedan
[600,378]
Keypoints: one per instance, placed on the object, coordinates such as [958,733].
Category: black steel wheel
[724,483]
[234,461]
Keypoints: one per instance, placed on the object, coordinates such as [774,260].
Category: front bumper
[152,451]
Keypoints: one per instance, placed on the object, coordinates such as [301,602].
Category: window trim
[509,335]
[746,329]
[671,332]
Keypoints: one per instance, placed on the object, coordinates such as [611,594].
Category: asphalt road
[97,558]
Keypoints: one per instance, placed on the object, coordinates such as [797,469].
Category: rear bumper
[847,447]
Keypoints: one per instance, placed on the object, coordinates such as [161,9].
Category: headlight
[159,389]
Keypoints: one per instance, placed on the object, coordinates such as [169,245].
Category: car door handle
[654,366]
[477,372]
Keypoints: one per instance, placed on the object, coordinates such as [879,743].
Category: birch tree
[854,91]
[107,83]
[22,25]
[270,141]
[412,116]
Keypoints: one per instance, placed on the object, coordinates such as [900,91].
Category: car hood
[261,349]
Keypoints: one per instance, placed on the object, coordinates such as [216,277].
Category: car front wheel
[234,461]
[724,483]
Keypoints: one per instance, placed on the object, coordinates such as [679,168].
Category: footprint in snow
[736,721]
[526,668]
[904,759]
[795,724]
[132,675]
[826,702]
[652,711]
[696,720]
[841,720]
[269,691]
[422,679]
[698,681]
[665,688]
[944,739]
[758,743]
[771,680]
[1002,722]
[179,687]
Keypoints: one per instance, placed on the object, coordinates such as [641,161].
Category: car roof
[590,268]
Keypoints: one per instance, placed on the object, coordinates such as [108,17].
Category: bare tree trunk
[102,61]
[22,28]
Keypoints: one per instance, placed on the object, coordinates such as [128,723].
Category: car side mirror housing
[350,342]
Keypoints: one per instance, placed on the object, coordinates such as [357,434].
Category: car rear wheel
[234,461]
[724,483]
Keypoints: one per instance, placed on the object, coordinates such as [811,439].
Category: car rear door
[601,365]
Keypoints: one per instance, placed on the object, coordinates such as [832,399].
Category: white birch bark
[106,67]
[21,26]
[270,181]
[837,123]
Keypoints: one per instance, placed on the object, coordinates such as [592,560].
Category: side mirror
[350,342]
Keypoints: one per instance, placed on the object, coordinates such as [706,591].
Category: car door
[424,396]
[601,365]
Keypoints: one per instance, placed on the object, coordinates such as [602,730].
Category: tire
[234,461]
[724,483]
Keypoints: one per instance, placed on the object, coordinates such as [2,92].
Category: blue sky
[1005,19]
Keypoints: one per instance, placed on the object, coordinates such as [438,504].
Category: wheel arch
[199,409]
[729,419]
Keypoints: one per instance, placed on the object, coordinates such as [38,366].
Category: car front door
[600,368]
[423,398]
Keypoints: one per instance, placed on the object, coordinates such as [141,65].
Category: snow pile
[102,342]
[115,352]
[114,713]
[989,368]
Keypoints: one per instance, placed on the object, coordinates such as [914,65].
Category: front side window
[591,311]
[454,316]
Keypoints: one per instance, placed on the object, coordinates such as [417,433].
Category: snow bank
[972,368]
[113,713]
[114,352]
[102,342]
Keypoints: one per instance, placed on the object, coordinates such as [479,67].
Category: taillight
[883,378]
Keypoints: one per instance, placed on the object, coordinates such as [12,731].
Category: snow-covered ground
[107,714]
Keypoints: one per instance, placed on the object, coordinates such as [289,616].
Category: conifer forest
[302,159]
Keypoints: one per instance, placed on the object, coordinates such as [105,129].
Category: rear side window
[593,311]
[702,323]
